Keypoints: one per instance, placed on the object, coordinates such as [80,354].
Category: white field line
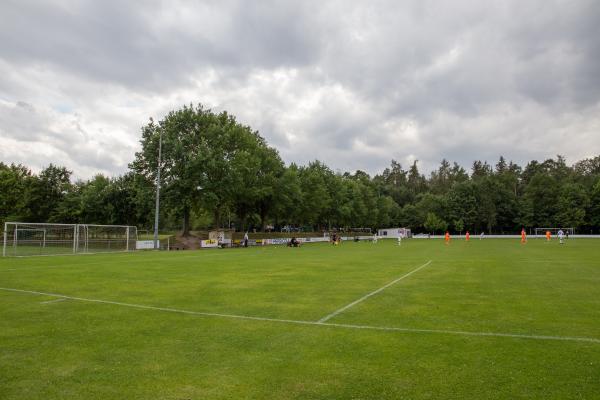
[69,254]
[203,254]
[340,310]
[313,323]
[110,262]
[130,260]
[53,301]
[30,268]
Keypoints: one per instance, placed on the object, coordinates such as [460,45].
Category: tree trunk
[244,224]
[263,217]
[186,221]
[217,216]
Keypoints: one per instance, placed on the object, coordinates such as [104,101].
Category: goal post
[27,239]
[31,239]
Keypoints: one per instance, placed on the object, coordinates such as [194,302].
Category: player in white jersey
[374,240]
[399,240]
[561,236]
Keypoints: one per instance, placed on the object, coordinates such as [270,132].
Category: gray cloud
[354,84]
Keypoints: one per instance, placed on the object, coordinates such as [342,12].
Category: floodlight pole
[156,211]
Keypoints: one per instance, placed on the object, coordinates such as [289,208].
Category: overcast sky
[352,83]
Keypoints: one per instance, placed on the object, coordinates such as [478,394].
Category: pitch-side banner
[301,240]
[315,239]
[145,244]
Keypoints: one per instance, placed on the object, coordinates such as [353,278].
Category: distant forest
[217,172]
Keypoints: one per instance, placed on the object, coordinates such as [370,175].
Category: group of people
[294,242]
[561,236]
[467,236]
[335,239]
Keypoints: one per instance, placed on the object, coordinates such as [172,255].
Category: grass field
[489,319]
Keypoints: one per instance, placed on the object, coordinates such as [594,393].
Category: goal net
[541,232]
[30,239]
[105,238]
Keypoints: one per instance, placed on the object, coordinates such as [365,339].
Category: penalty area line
[313,323]
[340,310]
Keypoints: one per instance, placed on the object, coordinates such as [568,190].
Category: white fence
[42,239]
[476,237]
[280,241]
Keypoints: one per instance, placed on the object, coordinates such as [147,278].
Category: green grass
[87,350]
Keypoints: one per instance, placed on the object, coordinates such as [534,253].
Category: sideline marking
[336,312]
[313,323]
[103,262]
[53,301]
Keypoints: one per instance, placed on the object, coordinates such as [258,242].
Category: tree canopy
[216,172]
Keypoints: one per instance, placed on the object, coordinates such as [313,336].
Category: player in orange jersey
[467,236]
[523,236]
[447,237]
[548,236]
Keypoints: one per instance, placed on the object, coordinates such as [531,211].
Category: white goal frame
[20,239]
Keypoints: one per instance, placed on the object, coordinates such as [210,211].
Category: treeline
[217,172]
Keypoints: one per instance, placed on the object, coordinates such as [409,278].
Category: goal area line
[312,323]
[341,310]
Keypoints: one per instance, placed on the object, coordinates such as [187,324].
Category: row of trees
[217,172]
[51,196]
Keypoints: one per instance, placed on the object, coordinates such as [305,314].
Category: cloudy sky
[352,83]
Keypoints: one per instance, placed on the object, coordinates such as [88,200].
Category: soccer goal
[31,239]
[541,232]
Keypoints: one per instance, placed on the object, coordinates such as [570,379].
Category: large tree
[209,161]
[14,182]
[45,193]
[594,209]
[316,198]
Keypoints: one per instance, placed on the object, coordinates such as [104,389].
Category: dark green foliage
[217,172]
[594,211]
[14,181]
[435,224]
